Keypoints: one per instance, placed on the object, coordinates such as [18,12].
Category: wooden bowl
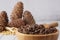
[52,36]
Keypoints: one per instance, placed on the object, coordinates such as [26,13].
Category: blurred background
[42,10]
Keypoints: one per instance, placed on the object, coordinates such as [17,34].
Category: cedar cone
[3,18]
[28,18]
[17,11]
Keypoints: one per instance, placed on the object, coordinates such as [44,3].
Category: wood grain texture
[53,36]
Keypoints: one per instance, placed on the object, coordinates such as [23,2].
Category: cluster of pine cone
[18,17]
[36,29]
[24,21]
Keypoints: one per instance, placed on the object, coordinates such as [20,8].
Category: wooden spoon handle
[55,24]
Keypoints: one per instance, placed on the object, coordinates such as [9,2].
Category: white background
[42,10]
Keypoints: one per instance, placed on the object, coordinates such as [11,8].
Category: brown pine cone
[3,18]
[16,23]
[28,18]
[17,11]
[2,28]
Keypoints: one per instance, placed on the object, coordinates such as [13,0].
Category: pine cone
[28,18]
[2,28]
[3,18]
[16,23]
[17,11]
